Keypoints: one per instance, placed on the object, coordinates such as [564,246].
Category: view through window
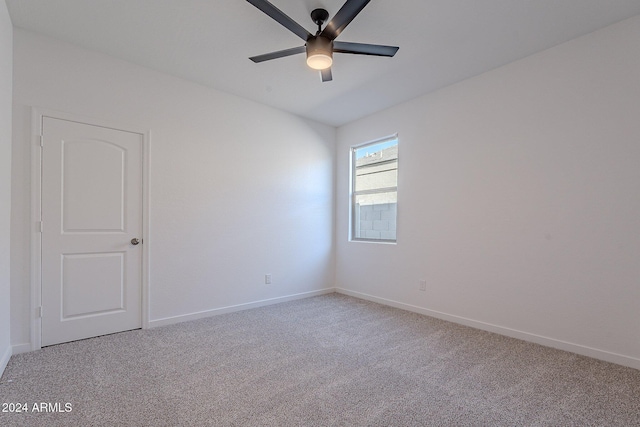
[374,190]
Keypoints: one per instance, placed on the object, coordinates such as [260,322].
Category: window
[374,190]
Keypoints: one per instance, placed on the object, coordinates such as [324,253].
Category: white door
[91,216]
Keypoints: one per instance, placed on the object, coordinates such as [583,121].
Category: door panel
[92,168]
[106,295]
[91,209]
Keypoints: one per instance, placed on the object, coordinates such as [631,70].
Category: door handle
[135,241]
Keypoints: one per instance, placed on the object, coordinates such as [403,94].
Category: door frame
[37,115]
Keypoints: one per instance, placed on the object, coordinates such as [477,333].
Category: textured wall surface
[518,199]
[6,71]
[218,163]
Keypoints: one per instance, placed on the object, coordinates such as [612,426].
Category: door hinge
[39,312]
[39,140]
[39,226]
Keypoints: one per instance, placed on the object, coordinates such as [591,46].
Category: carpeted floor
[325,361]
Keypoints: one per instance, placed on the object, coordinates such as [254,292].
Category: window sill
[382,242]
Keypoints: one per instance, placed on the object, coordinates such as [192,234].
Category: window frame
[353,194]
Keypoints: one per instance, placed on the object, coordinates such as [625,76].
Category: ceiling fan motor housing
[320,52]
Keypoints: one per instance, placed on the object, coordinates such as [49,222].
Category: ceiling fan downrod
[319,17]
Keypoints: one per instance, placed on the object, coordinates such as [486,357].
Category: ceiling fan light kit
[320,48]
[319,53]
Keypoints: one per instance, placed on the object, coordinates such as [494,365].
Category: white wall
[6,69]
[237,189]
[518,200]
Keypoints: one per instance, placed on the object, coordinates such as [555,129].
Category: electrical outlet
[267,279]
[423,285]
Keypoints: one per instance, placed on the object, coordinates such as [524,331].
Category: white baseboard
[230,309]
[607,356]
[22,348]
[4,359]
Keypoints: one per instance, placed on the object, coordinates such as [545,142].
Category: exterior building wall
[375,214]
[376,221]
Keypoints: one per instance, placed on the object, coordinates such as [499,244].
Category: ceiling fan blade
[345,15]
[326,75]
[364,49]
[283,19]
[278,54]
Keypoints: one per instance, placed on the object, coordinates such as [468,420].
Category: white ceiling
[208,42]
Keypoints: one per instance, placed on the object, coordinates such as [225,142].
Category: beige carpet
[324,361]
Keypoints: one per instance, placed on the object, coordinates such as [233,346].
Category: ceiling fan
[320,48]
